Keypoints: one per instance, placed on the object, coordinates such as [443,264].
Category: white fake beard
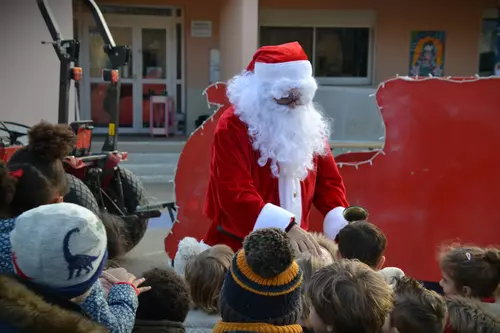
[288,137]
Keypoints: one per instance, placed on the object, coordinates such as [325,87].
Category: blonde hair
[309,265]
[330,247]
[472,266]
[350,296]
[205,274]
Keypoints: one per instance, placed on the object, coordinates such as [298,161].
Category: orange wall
[196,49]
[396,19]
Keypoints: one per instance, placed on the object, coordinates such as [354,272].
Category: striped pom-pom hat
[263,284]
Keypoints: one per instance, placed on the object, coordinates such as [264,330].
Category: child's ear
[466,291]
[381,263]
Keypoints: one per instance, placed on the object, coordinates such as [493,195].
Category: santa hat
[281,61]
[188,248]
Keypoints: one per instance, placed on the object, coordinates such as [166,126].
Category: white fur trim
[290,195]
[272,216]
[334,222]
[391,274]
[188,248]
[293,70]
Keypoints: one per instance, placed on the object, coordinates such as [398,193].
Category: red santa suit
[243,194]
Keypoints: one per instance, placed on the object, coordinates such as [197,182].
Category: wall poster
[427,53]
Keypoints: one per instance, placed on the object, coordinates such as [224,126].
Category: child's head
[468,315]
[348,297]
[116,233]
[329,249]
[264,282]
[47,146]
[23,187]
[470,271]
[416,309]
[363,241]
[309,265]
[205,274]
[61,247]
[168,298]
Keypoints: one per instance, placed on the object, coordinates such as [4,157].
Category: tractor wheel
[134,195]
[80,194]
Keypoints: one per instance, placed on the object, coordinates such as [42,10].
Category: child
[365,242]
[165,307]
[309,265]
[35,176]
[415,309]
[188,249]
[204,275]
[116,233]
[58,252]
[21,188]
[471,272]
[348,297]
[261,293]
[329,249]
[48,145]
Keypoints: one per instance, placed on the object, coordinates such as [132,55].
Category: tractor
[96,180]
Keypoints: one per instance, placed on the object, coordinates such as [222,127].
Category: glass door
[148,74]
[154,74]
[100,100]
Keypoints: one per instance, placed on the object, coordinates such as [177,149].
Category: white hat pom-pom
[188,248]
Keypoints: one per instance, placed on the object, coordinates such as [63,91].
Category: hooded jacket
[25,307]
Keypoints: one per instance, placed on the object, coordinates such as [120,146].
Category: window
[488,47]
[338,55]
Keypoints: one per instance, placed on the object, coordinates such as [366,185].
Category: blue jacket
[117,314]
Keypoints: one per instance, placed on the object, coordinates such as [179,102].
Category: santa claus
[270,158]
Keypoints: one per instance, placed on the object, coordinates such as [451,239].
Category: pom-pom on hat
[59,246]
[281,61]
[263,284]
[188,249]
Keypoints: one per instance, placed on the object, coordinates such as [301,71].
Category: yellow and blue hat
[263,284]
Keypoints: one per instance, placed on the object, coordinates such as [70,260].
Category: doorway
[152,71]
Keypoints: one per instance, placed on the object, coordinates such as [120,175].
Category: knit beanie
[263,284]
[59,246]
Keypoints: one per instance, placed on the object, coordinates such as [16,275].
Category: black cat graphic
[77,262]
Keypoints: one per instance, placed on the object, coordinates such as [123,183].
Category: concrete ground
[150,252]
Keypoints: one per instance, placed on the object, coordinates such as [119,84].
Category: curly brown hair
[168,298]
[48,145]
[350,296]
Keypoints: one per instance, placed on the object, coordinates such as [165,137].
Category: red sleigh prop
[436,179]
